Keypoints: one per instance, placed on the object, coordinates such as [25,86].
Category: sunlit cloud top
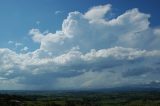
[89,51]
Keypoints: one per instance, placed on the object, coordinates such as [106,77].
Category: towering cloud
[90,51]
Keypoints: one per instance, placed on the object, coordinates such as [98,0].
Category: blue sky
[51,43]
[19,16]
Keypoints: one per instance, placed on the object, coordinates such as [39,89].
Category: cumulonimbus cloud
[90,51]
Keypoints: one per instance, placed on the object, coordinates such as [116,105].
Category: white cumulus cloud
[89,51]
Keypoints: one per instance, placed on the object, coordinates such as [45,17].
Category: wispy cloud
[10,42]
[25,49]
[38,22]
[58,12]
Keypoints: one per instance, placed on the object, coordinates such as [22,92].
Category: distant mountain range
[152,86]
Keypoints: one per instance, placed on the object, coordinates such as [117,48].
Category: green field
[83,98]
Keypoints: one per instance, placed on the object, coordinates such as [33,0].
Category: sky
[78,44]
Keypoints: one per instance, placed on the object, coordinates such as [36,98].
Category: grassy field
[83,98]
